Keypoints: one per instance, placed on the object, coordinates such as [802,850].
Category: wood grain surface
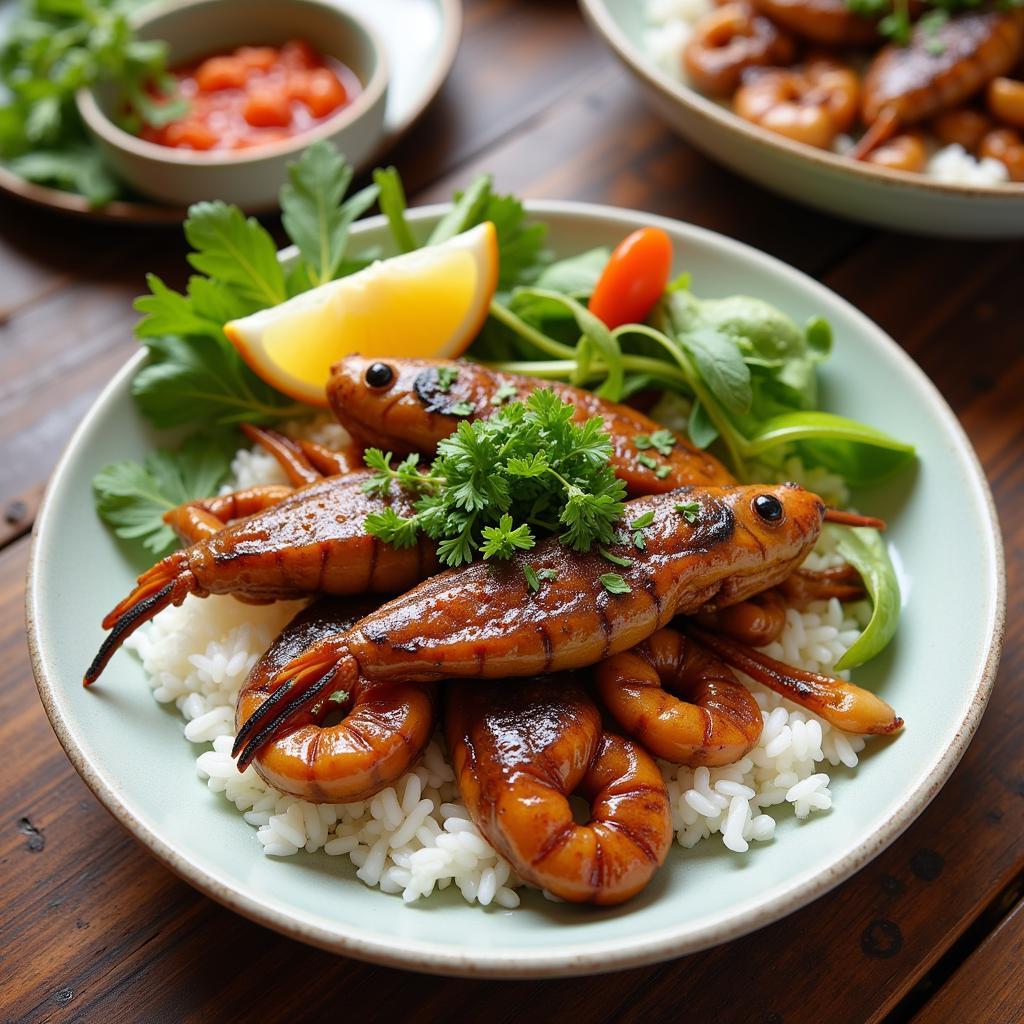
[93,929]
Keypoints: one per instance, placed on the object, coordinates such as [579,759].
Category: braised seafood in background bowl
[556,588]
[906,115]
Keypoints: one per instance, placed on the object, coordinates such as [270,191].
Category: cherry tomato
[321,91]
[268,107]
[189,134]
[257,58]
[221,73]
[633,279]
[298,54]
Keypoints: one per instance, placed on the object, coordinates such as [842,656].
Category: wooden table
[92,928]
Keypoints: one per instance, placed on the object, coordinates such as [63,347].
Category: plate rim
[128,211]
[576,958]
[605,25]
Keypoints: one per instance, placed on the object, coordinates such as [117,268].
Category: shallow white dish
[938,675]
[848,188]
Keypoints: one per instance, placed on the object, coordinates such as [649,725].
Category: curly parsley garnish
[496,482]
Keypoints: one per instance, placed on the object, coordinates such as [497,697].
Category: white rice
[955,166]
[416,837]
[669,28]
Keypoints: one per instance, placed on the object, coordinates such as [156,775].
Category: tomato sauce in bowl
[255,96]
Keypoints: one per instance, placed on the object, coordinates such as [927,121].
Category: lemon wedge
[429,303]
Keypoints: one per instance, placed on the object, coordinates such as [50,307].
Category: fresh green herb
[639,542]
[339,697]
[52,49]
[313,213]
[502,541]
[462,408]
[496,480]
[615,584]
[689,510]
[662,440]
[195,379]
[133,498]
[647,460]
[534,578]
[662,471]
[504,393]
[928,26]
[446,377]
[615,559]
[392,205]
[531,577]
[642,520]
[193,374]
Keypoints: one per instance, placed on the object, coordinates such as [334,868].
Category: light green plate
[937,674]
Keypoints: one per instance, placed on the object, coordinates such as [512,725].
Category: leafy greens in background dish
[746,370]
[52,49]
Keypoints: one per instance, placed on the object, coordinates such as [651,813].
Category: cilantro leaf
[313,213]
[201,379]
[689,510]
[642,520]
[446,377]
[132,497]
[236,250]
[610,556]
[615,584]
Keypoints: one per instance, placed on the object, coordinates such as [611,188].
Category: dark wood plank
[988,986]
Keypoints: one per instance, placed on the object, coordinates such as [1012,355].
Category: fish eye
[768,507]
[379,375]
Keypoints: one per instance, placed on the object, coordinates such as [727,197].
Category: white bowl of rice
[405,878]
[957,196]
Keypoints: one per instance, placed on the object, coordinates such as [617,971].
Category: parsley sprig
[497,482]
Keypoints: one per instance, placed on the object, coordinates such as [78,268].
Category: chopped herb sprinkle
[689,510]
[615,584]
[446,377]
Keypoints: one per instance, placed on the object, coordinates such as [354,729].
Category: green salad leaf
[132,497]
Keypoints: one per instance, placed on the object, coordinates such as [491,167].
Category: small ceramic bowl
[252,177]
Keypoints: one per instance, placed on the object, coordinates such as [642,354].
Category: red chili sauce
[255,96]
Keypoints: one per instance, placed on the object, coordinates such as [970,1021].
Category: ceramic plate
[890,199]
[421,38]
[937,674]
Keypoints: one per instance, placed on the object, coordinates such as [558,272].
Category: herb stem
[505,315]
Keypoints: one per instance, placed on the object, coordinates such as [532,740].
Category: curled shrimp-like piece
[519,750]
[812,103]
[1006,146]
[904,152]
[842,704]
[1005,99]
[830,22]
[715,723]
[381,731]
[757,621]
[962,126]
[727,41]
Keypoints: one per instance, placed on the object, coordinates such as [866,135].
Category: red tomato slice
[633,279]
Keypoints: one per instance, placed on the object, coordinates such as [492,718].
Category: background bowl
[848,188]
[251,178]
[937,674]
